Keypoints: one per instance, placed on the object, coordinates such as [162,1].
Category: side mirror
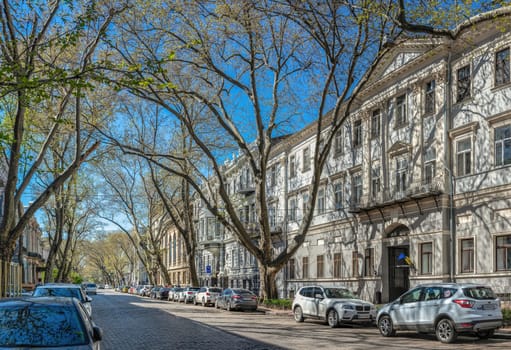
[97,333]
[88,299]
[318,296]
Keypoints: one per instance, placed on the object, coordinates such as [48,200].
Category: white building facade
[418,185]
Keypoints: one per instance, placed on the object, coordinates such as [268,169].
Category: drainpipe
[448,168]
[285,224]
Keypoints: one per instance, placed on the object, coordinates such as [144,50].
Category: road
[132,322]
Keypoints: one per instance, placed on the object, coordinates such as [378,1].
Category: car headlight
[348,307]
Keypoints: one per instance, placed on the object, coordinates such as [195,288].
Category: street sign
[208,268]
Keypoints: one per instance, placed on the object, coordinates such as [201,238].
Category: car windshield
[215,290]
[339,293]
[59,292]
[41,325]
[194,289]
[479,293]
[91,285]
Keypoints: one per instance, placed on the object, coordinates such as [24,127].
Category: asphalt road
[132,322]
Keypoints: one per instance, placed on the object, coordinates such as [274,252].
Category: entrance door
[399,272]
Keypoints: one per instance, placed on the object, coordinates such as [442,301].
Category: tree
[46,58]
[245,64]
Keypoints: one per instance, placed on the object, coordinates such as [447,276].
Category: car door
[404,311]
[307,301]
[321,302]
[428,307]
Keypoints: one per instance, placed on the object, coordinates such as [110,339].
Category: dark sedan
[162,293]
[47,323]
[236,299]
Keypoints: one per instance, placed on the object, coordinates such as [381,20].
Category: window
[375,124]
[272,215]
[357,133]
[412,296]
[293,208]
[429,165]
[426,250]
[338,195]
[502,67]
[305,200]
[356,189]
[369,262]
[401,174]
[306,160]
[338,143]
[291,265]
[292,166]
[401,118]
[319,266]
[273,176]
[354,264]
[337,265]
[305,266]
[503,145]
[464,157]
[429,98]
[467,255]
[463,86]
[503,253]
[321,201]
[375,181]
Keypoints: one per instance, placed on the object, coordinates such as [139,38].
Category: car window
[339,293]
[448,292]
[22,325]
[59,292]
[412,296]
[318,292]
[215,290]
[306,292]
[481,293]
[432,293]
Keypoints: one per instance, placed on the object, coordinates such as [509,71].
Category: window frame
[292,166]
[376,124]
[471,255]
[356,188]
[339,142]
[506,249]
[357,133]
[502,142]
[426,262]
[305,267]
[321,201]
[503,66]
[429,97]
[463,83]
[292,269]
[320,266]
[338,195]
[462,170]
[401,117]
[355,270]
[368,262]
[306,158]
[337,265]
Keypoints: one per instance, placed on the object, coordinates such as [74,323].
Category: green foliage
[76,278]
[281,304]
[506,315]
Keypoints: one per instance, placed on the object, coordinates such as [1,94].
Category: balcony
[245,189]
[426,190]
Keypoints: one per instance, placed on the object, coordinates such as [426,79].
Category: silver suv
[335,305]
[207,296]
[445,309]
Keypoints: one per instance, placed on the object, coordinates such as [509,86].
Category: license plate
[488,307]
[363,316]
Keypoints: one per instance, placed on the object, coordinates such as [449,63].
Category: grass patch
[506,315]
[280,304]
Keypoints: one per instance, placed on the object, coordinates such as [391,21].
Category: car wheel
[486,334]
[386,326]
[445,331]
[298,314]
[333,318]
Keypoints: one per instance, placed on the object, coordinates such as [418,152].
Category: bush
[506,315]
[281,304]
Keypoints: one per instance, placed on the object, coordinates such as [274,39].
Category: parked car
[207,296]
[335,305]
[153,291]
[174,293]
[236,298]
[146,289]
[90,288]
[162,293]
[47,323]
[446,309]
[64,290]
[188,294]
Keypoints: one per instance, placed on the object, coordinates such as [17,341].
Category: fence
[11,279]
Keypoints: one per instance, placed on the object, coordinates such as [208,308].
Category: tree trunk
[194,280]
[268,284]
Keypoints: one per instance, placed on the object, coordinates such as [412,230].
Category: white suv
[445,309]
[335,305]
[207,296]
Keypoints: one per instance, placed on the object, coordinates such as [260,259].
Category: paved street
[132,322]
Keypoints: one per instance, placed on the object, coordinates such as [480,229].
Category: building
[417,188]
